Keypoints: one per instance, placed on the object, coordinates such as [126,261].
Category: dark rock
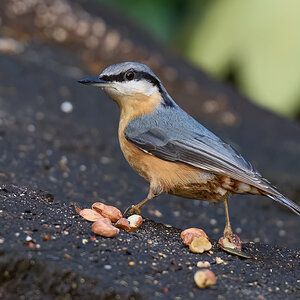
[149,263]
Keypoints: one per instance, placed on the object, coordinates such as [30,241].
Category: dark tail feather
[287,202]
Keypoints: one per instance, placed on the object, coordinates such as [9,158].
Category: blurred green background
[254,45]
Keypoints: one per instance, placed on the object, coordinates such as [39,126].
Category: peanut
[135,221]
[205,278]
[88,214]
[200,244]
[230,241]
[107,211]
[123,224]
[104,228]
[188,235]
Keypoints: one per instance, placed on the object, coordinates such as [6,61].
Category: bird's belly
[173,177]
[204,192]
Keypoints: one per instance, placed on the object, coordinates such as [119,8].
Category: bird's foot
[232,244]
[133,210]
[230,240]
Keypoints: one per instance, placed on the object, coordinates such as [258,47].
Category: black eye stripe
[143,75]
[139,75]
[119,77]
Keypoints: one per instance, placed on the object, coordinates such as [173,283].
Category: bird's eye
[129,75]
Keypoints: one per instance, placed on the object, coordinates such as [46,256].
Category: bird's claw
[133,210]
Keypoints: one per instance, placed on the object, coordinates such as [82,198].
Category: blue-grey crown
[125,66]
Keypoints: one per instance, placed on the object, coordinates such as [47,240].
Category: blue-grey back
[178,125]
[171,134]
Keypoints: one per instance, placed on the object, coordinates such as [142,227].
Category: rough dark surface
[50,252]
[50,159]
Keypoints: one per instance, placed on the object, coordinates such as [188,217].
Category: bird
[172,151]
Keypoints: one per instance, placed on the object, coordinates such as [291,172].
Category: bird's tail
[287,202]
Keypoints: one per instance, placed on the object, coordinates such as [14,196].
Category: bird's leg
[137,209]
[227,229]
[230,242]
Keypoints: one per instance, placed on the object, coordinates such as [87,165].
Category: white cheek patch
[135,87]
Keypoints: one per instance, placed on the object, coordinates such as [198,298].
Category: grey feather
[171,134]
[287,202]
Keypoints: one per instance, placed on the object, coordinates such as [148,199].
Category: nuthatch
[170,149]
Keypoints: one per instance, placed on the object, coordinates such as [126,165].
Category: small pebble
[66,107]
[213,222]
[31,128]
[107,267]
[282,232]
[158,214]
[82,168]
[219,260]
[203,264]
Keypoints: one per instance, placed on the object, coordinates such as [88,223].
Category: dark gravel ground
[50,252]
[50,159]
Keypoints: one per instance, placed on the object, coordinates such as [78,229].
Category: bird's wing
[194,145]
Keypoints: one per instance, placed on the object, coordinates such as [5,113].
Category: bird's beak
[93,81]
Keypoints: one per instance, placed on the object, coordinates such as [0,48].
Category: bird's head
[130,84]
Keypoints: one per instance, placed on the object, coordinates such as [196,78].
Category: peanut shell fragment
[189,234]
[230,241]
[200,244]
[88,214]
[107,211]
[123,224]
[135,221]
[205,278]
[104,228]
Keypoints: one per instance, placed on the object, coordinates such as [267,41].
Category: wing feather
[204,151]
